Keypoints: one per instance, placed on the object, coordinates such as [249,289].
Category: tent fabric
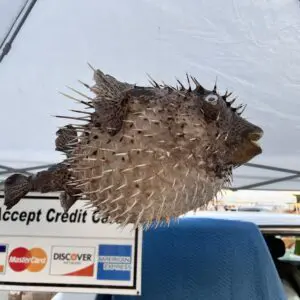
[252,47]
[209,259]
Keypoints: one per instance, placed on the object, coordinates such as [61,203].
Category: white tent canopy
[251,46]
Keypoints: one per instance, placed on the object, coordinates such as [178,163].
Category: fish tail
[66,201]
[16,187]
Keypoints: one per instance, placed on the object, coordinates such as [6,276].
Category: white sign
[44,249]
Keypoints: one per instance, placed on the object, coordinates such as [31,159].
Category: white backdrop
[252,46]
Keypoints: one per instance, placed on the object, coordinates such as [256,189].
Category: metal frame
[16,26]
[6,170]
[294,174]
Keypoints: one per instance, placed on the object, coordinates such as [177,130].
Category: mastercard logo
[32,260]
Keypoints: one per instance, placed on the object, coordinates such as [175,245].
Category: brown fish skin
[66,142]
[16,187]
[243,134]
[151,153]
[66,139]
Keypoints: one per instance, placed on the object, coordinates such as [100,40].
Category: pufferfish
[151,154]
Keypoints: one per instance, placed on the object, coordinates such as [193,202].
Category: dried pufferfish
[154,153]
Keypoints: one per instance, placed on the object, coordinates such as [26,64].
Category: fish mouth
[248,149]
[254,138]
[255,144]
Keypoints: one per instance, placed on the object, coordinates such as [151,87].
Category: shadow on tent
[206,259]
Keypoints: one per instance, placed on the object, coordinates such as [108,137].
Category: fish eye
[212,99]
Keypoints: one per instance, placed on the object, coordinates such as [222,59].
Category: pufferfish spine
[149,154]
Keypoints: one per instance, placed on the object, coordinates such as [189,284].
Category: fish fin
[16,187]
[66,201]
